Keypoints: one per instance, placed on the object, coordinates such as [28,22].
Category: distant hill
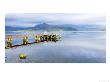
[45,26]
[87,27]
[65,27]
[10,28]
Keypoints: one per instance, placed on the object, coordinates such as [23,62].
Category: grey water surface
[74,47]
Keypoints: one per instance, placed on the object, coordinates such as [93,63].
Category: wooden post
[9,42]
[25,40]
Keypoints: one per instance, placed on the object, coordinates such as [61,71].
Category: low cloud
[27,19]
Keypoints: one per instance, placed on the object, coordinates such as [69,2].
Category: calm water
[74,47]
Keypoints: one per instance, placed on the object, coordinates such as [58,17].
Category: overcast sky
[28,19]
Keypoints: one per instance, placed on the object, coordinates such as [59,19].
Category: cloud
[31,19]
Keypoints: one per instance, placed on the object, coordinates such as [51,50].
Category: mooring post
[9,42]
[25,40]
[37,38]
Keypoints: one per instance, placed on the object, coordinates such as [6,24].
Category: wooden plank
[19,45]
[14,46]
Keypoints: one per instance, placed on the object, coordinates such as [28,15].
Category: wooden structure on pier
[38,39]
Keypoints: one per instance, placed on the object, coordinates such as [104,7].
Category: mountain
[64,27]
[45,26]
[87,27]
[11,28]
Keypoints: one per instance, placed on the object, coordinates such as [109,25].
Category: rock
[22,56]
